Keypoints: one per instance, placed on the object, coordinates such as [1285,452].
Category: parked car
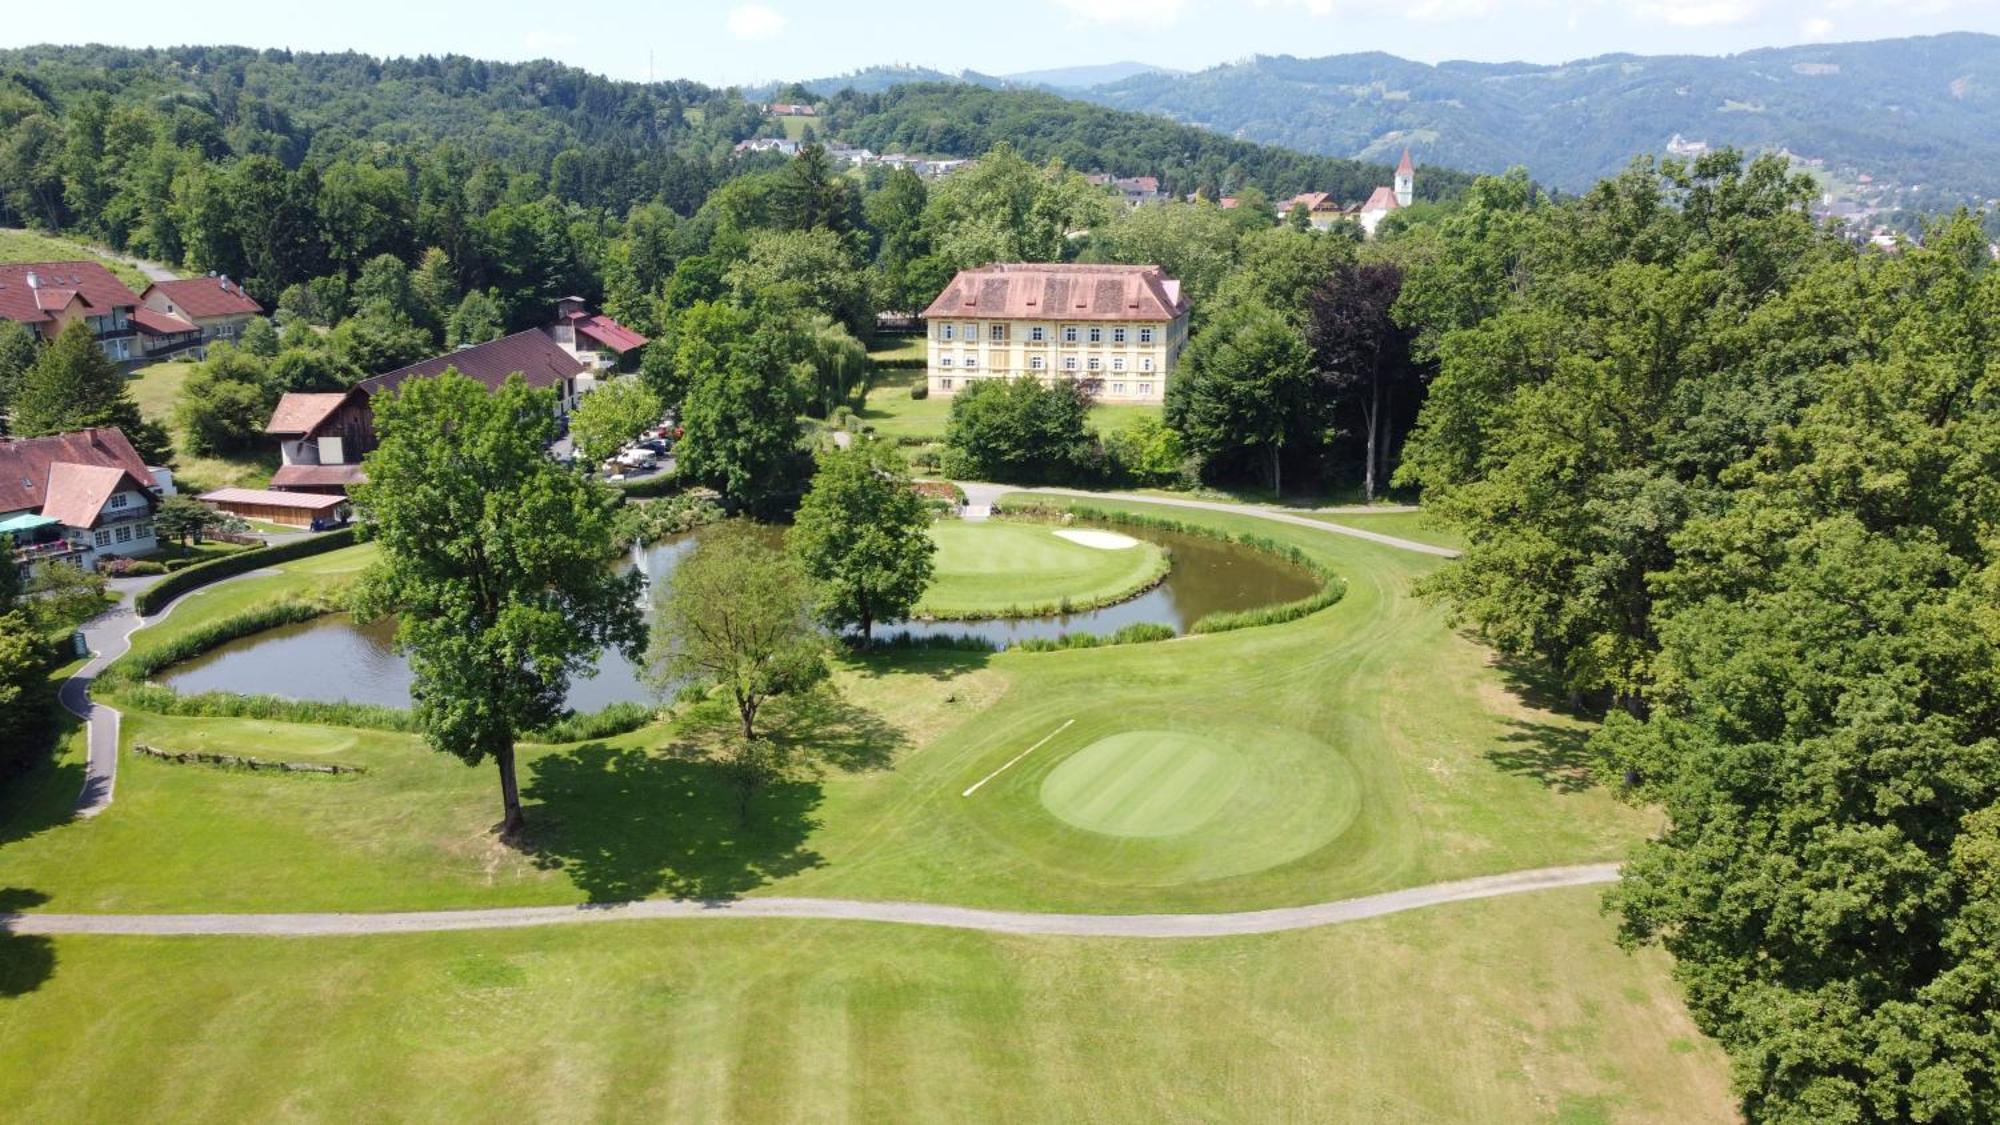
[640,458]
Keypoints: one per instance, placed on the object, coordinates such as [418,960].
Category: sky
[740,42]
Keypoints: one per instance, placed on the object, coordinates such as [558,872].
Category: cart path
[109,636]
[847,910]
[982,496]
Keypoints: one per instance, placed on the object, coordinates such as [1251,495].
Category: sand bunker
[1102,540]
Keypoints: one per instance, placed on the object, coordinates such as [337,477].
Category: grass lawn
[32,246]
[894,414]
[1418,527]
[1363,748]
[155,388]
[1384,751]
[795,127]
[1510,1010]
[1018,570]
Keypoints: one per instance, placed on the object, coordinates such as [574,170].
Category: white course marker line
[1003,769]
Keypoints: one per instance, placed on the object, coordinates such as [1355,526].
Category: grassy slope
[30,246]
[155,388]
[988,567]
[1389,721]
[1510,1010]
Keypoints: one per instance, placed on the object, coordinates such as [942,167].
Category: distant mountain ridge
[1920,116]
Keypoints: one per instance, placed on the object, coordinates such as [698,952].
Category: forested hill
[593,141]
[964,119]
[1916,111]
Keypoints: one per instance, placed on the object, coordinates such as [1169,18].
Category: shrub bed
[191,757]
[155,598]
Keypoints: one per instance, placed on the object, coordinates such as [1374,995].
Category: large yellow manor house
[1121,327]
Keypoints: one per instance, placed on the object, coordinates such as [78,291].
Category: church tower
[1406,181]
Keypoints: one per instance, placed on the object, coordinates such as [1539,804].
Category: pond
[335,658]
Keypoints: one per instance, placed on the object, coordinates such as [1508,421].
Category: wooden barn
[313,510]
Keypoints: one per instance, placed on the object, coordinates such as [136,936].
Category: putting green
[1142,783]
[990,568]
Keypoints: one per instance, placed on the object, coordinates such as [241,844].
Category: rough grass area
[1510,1010]
[1418,527]
[156,387]
[993,569]
[32,246]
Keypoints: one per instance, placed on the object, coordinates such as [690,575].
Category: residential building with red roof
[216,307]
[50,296]
[594,339]
[77,497]
[1119,327]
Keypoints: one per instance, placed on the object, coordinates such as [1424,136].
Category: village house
[50,296]
[1136,191]
[216,307]
[1119,327]
[311,511]
[79,497]
[599,342]
[1390,199]
[322,438]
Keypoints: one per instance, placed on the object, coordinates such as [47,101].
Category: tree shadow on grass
[1557,756]
[937,663]
[27,961]
[629,824]
[821,728]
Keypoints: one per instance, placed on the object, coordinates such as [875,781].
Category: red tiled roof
[77,493]
[610,333]
[317,476]
[301,413]
[157,323]
[1406,168]
[207,296]
[98,287]
[312,501]
[1032,291]
[25,462]
[1384,199]
[531,353]
[1313,201]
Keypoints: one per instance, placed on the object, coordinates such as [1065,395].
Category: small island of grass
[1003,569]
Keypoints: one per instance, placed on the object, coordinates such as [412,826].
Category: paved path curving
[979,493]
[109,636]
[899,913]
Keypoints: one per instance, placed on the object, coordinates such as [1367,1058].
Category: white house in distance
[1121,327]
[77,498]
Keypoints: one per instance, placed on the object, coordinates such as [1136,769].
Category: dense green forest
[1734,480]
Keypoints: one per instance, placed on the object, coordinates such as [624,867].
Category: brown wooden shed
[293,509]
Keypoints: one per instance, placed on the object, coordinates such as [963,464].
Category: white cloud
[1696,13]
[1141,13]
[1310,7]
[1439,11]
[1818,27]
[755,22]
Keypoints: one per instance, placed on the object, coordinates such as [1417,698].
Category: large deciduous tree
[72,385]
[495,561]
[863,536]
[1362,356]
[740,416]
[737,614]
[1244,390]
[1023,431]
[611,415]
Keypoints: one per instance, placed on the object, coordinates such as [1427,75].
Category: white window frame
[944,361]
[1117,335]
[944,383]
[1146,363]
[1118,363]
[1069,334]
[117,500]
[972,333]
[945,333]
[1096,363]
[1034,363]
[1096,334]
[971,362]
[1146,389]
[101,537]
[996,333]
[1117,388]
[1145,335]
[1036,334]
[1069,363]
[124,533]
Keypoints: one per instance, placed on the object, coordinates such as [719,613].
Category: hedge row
[155,598]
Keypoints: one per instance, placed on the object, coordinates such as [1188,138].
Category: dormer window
[117,500]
